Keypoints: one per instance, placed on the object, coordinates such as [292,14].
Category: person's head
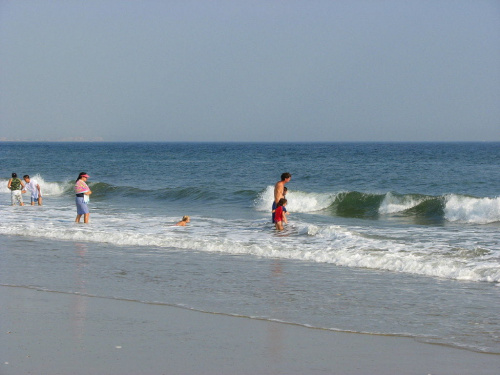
[282,202]
[186,219]
[26,178]
[83,176]
[286,176]
[14,175]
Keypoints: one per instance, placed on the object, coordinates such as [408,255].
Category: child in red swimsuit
[279,214]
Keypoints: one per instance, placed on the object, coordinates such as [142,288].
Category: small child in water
[184,221]
[279,214]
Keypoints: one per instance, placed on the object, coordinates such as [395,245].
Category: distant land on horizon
[102,140]
[69,139]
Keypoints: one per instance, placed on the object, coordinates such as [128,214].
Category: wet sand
[58,333]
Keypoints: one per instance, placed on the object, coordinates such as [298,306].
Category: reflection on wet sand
[79,304]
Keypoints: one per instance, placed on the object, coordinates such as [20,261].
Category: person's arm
[88,192]
[8,183]
[38,188]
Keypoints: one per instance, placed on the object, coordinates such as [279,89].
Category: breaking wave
[350,204]
[354,204]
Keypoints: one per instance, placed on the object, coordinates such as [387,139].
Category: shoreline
[58,333]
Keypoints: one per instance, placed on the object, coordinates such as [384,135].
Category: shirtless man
[279,190]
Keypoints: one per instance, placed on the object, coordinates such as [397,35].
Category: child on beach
[184,221]
[279,214]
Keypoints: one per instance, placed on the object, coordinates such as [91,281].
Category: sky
[250,70]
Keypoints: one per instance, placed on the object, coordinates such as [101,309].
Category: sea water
[383,238]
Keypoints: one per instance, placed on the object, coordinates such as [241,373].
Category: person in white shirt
[34,188]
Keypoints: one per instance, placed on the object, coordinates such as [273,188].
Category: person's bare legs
[77,220]
[86,218]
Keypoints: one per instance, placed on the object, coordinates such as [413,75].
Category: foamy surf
[298,201]
[472,210]
[48,188]
[393,203]
[444,256]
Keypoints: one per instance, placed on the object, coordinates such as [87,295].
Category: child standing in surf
[279,214]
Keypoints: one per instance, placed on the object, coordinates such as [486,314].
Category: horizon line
[247,142]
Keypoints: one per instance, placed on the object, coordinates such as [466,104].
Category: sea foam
[393,203]
[437,253]
[298,201]
[47,188]
[471,210]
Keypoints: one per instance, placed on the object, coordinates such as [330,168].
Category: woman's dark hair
[80,176]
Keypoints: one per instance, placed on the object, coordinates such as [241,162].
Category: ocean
[396,239]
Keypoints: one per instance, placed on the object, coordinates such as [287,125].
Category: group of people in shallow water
[83,192]
[278,210]
[18,187]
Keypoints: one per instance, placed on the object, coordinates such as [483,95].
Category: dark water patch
[430,211]
[248,194]
[190,193]
[105,190]
[357,205]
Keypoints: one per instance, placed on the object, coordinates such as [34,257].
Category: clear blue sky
[240,70]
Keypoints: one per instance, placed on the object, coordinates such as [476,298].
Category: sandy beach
[58,333]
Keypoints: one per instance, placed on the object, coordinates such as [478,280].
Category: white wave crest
[298,201]
[472,210]
[393,204]
[50,188]
[47,188]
